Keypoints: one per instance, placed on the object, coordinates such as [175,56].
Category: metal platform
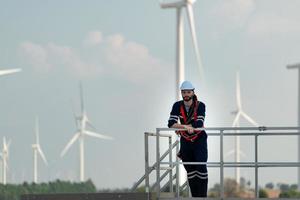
[166,166]
[87,196]
[123,196]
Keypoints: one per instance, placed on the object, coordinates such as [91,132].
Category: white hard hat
[186,85]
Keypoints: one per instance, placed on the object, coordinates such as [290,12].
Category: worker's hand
[190,129]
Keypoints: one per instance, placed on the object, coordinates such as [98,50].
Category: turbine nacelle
[177,4]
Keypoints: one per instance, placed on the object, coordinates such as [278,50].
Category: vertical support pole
[146,163]
[298,174]
[188,189]
[221,164]
[256,167]
[157,164]
[170,165]
[177,171]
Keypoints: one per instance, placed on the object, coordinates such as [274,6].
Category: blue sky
[123,52]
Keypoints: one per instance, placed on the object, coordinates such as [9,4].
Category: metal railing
[221,132]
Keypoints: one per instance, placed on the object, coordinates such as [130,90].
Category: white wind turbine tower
[236,123]
[82,123]
[180,69]
[37,150]
[4,156]
[9,71]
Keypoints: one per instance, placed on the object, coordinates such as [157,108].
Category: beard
[187,98]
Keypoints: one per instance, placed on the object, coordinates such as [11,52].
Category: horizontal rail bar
[255,133]
[260,128]
[161,134]
[240,164]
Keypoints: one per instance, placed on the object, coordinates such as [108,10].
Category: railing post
[157,164]
[147,163]
[170,165]
[177,171]
[256,167]
[221,165]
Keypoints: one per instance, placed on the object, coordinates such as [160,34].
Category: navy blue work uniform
[193,147]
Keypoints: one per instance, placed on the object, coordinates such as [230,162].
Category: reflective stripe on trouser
[197,174]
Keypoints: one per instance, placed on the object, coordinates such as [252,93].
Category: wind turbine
[37,150]
[236,123]
[180,68]
[9,71]
[4,156]
[82,123]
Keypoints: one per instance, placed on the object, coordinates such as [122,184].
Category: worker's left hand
[190,129]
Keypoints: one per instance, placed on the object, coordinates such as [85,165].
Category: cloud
[93,38]
[37,55]
[72,60]
[45,58]
[112,55]
[132,59]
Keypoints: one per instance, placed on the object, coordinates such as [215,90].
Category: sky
[123,52]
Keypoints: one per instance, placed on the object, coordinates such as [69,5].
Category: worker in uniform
[189,114]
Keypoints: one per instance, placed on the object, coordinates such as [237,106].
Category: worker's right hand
[190,129]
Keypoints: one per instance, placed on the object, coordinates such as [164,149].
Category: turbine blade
[97,135]
[9,71]
[249,119]
[237,117]
[191,18]
[238,91]
[90,124]
[73,111]
[8,144]
[4,142]
[42,155]
[229,153]
[81,98]
[74,138]
[37,130]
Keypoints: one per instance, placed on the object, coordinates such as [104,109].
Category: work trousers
[197,175]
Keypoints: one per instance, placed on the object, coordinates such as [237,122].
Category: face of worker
[187,94]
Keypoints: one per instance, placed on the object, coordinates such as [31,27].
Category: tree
[294,187]
[290,194]
[231,188]
[283,187]
[269,185]
[262,193]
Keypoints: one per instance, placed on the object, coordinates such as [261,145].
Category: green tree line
[14,191]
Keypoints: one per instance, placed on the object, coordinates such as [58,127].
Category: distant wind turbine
[37,150]
[236,123]
[4,156]
[82,123]
[9,71]
[180,69]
